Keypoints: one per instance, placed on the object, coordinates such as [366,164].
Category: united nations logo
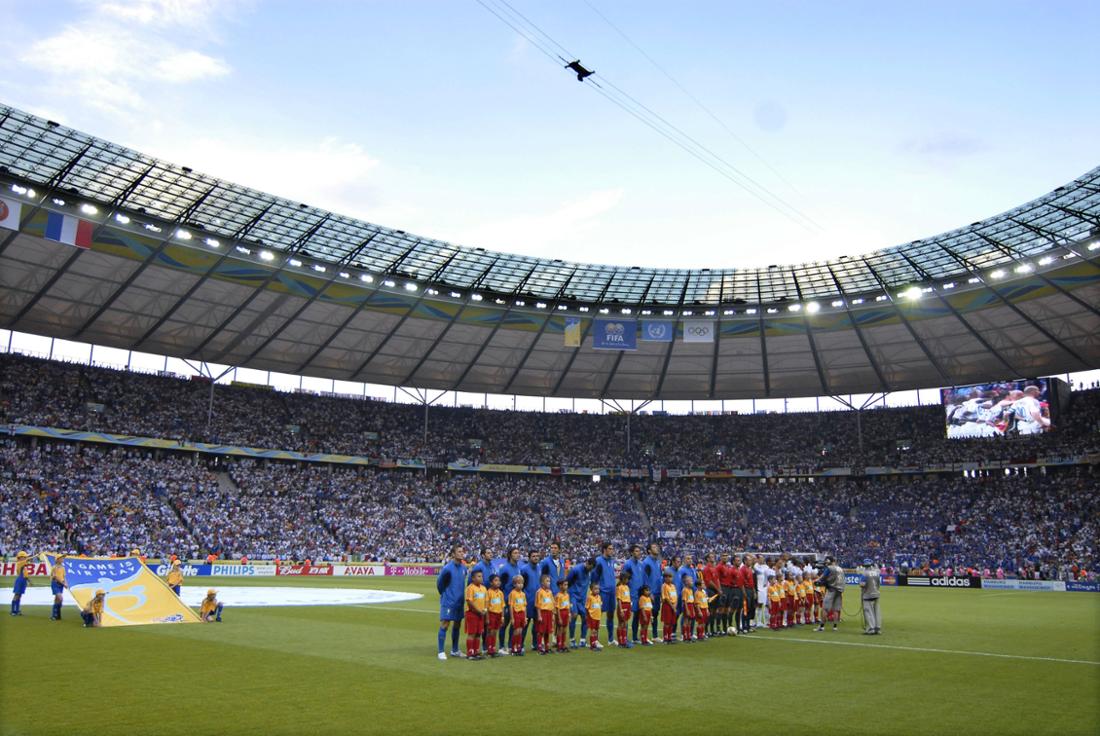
[657,330]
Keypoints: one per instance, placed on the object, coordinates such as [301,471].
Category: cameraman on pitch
[872,580]
[832,577]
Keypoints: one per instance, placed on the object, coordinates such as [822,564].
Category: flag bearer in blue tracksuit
[651,571]
[485,567]
[22,579]
[530,572]
[451,585]
[578,578]
[509,571]
[57,586]
[604,574]
[633,566]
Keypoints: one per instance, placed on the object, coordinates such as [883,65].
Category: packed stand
[50,393]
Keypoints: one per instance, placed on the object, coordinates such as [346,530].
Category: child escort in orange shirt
[475,615]
[517,604]
[645,614]
[544,607]
[593,613]
[562,608]
[687,593]
[494,616]
[623,605]
[668,607]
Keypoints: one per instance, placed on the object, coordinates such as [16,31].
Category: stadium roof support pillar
[421,397]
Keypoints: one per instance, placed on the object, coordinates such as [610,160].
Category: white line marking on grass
[387,607]
[926,649]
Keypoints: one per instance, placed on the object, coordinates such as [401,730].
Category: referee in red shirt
[727,577]
[714,588]
[747,581]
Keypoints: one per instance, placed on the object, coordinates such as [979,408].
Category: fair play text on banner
[657,331]
[615,334]
[134,594]
[9,213]
[698,330]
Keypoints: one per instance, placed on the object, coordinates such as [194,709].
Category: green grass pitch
[372,669]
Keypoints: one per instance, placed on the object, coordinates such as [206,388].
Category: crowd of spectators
[66,496]
[50,393]
[80,497]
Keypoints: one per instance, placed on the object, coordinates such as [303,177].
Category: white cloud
[170,12]
[551,232]
[189,66]
[107,62]
[329,173]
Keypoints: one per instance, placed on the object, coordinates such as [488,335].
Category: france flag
[68,230]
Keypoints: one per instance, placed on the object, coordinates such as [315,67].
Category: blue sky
[881,122]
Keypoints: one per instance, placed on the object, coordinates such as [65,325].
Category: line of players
[543,597]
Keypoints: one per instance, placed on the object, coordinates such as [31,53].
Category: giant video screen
[999,409]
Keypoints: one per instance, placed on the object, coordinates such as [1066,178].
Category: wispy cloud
[548,232]
[108,56]
[944,145]
[329,173]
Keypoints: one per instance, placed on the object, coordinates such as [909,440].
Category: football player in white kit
[1029,412]
[761,571]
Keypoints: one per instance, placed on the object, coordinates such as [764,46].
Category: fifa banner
[614,334]
[941,581]
[134,594]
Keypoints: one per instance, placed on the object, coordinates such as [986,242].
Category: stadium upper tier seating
[48,393]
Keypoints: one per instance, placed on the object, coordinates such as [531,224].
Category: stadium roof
[195,267]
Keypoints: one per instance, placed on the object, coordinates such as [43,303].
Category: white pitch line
[927,650]
[387,607]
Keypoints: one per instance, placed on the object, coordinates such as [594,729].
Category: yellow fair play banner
[134,595]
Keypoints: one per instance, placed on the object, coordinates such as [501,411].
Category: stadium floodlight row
[1008,296]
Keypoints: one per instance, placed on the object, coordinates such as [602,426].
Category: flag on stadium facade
[69,230]
[9,213]
[657,331]
[698,330]
[134,594]
[572,332]
[615,334]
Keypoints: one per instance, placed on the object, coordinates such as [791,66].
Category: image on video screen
[999,409]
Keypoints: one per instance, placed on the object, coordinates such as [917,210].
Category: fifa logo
[615,332]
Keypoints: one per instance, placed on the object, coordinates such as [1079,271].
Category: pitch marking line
[927,649]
